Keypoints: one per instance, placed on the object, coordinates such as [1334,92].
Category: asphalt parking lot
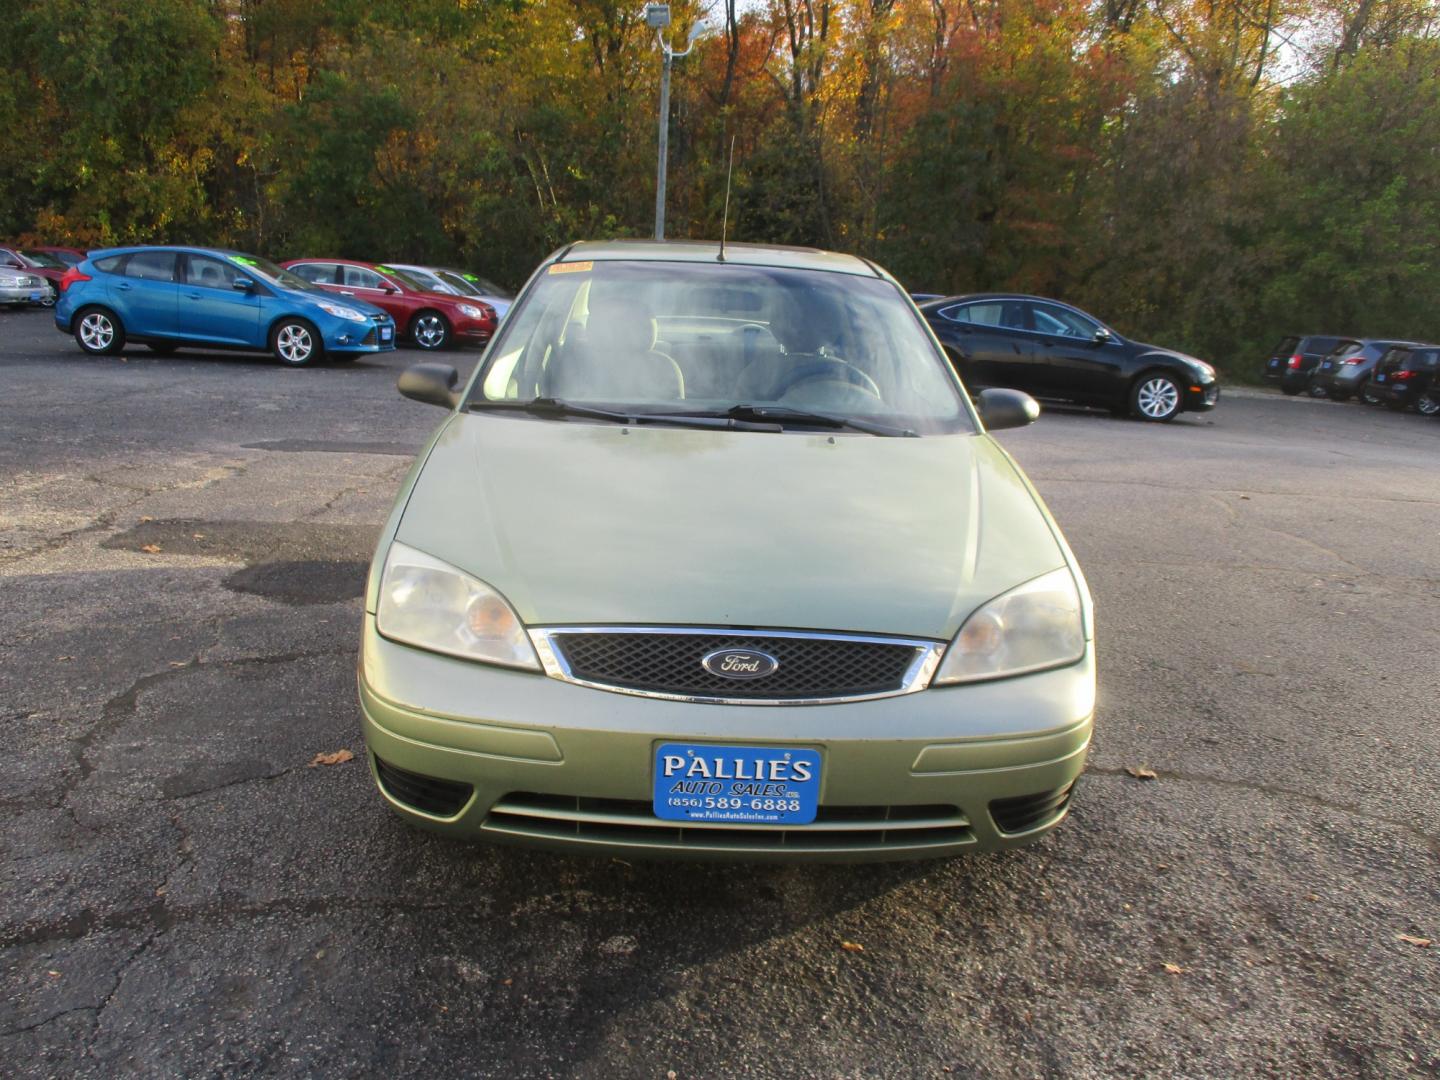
[182,551]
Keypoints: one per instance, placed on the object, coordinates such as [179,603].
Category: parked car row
[1374,371]
[1052,350]
[168,297]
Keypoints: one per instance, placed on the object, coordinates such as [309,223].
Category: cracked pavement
[182,549]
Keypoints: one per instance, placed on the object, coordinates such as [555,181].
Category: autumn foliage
[1208,173]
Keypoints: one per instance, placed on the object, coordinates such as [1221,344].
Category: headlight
[12,282]
[340,311]
[472,311]
[431,605]
[1038,625]
[1204,370]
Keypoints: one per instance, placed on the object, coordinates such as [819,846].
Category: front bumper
[1201,398]
[540,761]
[18,295]
[376,335]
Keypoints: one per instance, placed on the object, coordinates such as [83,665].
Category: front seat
[616,359]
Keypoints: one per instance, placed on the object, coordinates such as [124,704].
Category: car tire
[1156,397]
[98,331]
[429,330]
[1315,390]
[296,343]
[1428,406]
[1367,395]
[163,348]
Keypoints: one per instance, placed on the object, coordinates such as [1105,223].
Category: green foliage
[1139,160]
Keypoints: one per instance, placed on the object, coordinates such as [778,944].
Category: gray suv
[1345,371]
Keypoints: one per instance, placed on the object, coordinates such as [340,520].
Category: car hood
[586,523]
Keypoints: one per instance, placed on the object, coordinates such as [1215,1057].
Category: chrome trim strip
[917,675]
[956,820]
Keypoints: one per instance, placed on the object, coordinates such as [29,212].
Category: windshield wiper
[780,414]
[548,406]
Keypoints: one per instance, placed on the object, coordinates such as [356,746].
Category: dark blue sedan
[166,297]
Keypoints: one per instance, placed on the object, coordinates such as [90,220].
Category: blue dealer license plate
[755,785]
[385,333]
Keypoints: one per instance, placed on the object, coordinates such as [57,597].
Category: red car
[67,255]
[35,261]
[431,320]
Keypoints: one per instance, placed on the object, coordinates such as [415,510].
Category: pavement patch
[330,446]
[305,581]
[250,542]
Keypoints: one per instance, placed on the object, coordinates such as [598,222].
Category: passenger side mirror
[389,290]
[432,383]
[1102,336]
[242,284]
[1001,409]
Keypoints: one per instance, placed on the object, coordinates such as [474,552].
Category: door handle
[125,286]
[346,292]
[194,295]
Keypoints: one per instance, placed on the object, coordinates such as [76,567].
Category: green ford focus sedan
[714,557]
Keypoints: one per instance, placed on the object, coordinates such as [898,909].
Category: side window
[319,273]
[356,277]
[1050,319]
[152,265]
[209,273]
[110,264]
[980,313]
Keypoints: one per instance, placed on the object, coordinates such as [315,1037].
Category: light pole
[657,16]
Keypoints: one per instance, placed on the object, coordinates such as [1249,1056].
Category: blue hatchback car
[166,297]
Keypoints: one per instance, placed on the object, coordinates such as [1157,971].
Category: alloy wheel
[294,343]
[96,332]
[1157,398]
[1428,406]
[430,332]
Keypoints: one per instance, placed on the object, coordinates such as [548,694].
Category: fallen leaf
[178,663]
[147,518]
[151,549]
[670,1074]
[64,658]
[1245,497]
[53,974]
[1313,897]
[337,758]
[1174,969]
[1418,942]
[852,946]
[197,536]
[1140,772]
[507,982]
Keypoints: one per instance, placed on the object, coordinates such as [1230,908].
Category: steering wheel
[833,369]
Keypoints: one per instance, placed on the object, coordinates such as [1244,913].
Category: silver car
[19,288]
[460,283]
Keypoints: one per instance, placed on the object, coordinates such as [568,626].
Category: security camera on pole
[657,16]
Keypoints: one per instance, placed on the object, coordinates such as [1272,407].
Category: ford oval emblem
[739,663]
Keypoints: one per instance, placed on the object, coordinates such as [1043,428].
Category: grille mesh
[1027,812]
[442,798]
[809,668]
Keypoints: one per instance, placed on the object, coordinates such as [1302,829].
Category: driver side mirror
[389,290]
[1102,336]
[1001,409]
[431,383]
[242,284]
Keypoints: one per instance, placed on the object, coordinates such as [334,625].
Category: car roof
[706,251]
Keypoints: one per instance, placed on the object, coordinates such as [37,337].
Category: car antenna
[725,218]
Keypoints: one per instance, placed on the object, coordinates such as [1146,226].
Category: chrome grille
[666,662]
[625,822]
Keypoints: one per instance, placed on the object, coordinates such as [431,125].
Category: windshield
[475,285]
[40,258]
[266,269]
[410,281]
[459,284]
[703,339]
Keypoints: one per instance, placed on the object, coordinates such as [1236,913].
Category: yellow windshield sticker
[571,268]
